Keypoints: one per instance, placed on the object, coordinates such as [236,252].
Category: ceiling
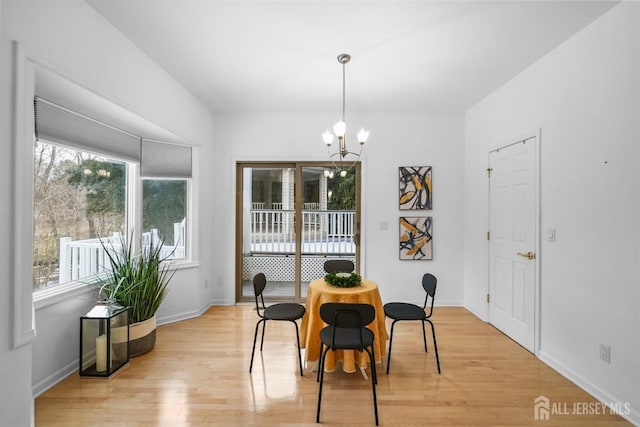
[280,56]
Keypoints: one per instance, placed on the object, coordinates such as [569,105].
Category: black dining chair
[287,311]
[339,265]
[347,331]
[399,311]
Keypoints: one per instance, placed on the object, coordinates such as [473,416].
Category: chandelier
[343,159]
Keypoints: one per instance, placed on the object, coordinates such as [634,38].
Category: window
[164,213]
[86,178]
[78,198]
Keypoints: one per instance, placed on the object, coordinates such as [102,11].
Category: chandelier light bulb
[327,137]
[362,136]
[340,129]
[343,173]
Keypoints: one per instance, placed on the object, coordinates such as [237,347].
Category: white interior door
[512,241]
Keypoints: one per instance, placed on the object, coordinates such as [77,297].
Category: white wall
[71,39]
[15,364]
[585,97]
[396,140]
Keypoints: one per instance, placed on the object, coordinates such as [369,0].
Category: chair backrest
[429,283]
[347,315]
[259,283]
[339,265]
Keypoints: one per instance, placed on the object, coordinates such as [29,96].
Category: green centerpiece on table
[343,280]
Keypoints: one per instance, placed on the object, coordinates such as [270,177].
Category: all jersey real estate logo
[543,408]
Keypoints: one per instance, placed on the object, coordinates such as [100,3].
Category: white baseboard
[54,378]
[437,303]
[445,303]
[165,320]
[224,302]
[475,313]
[602,395]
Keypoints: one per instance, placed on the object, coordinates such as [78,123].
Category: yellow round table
[319,293]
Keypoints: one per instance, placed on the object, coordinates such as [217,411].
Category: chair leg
[320,364]
[435,345]
[253,349]
[424,337]
[373,384]
[390,342]
[321,377]
[374,370]
[263,328]
[299,351]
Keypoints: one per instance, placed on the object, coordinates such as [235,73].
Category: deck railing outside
[273,231]
[84,258]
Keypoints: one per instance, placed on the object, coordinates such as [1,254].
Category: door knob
[528,255]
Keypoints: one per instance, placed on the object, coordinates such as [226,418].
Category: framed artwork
[416,238]
[416,190]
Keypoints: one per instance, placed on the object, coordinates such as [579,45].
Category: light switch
[384,225]
[551,234]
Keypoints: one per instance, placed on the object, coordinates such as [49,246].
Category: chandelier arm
[332,155]
[354,153]
[340,165]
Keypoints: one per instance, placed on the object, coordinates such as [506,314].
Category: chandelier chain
[344,73]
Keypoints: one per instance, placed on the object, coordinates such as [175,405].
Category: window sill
[182,264]
[57,294]
[47,297]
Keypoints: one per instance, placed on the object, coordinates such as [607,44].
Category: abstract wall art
[416,190]
[416,238]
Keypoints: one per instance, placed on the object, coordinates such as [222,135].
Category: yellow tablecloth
[319,293]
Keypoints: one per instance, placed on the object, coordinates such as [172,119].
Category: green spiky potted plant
[139,281]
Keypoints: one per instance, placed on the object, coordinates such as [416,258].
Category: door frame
[537,321]
[298,165]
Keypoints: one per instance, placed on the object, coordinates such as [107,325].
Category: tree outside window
[77,195]
[164,209]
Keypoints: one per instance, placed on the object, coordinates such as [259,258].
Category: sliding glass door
[290,218]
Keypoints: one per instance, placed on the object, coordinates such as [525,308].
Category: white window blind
[165,160]
[62,126]
[159,159]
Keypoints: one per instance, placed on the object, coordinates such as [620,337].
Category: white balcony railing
[323,232]
[85,258]
[272,231]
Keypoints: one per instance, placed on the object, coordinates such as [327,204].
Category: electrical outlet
[605,353]
[206,283]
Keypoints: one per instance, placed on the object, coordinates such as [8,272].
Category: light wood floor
[198,375]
